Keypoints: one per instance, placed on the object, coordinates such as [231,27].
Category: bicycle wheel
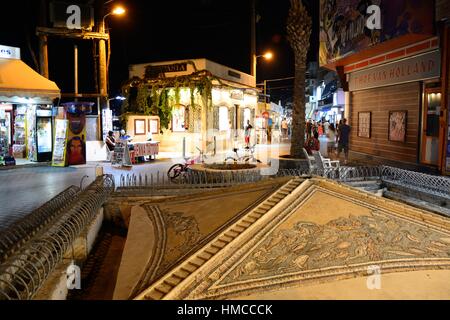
[175,171]
[230,158]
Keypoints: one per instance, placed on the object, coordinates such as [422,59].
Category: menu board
[121,156]
[60,145]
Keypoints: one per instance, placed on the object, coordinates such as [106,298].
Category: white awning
[21,84]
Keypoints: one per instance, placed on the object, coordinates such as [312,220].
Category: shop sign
[9,52]
[152,72]
[421,67]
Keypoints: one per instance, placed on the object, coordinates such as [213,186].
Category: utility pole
[253,39]
[103,77]
[43,41]
[75,57]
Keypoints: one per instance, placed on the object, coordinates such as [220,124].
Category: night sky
[167,30]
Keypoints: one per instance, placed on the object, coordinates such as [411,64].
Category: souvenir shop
[26,119]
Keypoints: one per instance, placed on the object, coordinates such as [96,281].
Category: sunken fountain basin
[218,172]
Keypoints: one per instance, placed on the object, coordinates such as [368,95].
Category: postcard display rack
[20,132]
[3,140]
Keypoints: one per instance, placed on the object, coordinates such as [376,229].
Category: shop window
[223,119]
[179,119]
[247,116]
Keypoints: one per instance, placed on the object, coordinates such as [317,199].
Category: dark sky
[166,30]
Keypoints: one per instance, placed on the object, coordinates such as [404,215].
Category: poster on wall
[364,119]
[344,24]
[76,140]
[60,143]
[397,126]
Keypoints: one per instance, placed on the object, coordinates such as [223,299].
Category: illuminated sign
[9,52]
[421,67]
[152,72]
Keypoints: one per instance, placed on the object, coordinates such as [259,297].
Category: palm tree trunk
[298,110]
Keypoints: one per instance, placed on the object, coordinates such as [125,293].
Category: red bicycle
[179,170]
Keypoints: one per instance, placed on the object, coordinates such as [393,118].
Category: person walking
[331,139]
[344,133]
[308,129]
[247,133]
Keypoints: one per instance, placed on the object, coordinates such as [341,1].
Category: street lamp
[117,11]
[268,56]
[104,63]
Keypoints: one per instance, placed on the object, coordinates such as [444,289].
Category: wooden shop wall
[380,101]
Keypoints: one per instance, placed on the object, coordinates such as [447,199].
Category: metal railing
[19,233]
[191,179]
[436,185]
[23,274]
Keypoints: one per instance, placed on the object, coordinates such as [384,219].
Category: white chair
[323,164]
[109,154]
[310,160]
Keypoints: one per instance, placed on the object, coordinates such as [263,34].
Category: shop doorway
[431,133]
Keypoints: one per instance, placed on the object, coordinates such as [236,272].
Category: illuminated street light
[118,11]
[268,55]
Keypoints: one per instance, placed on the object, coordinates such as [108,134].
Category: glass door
[44,138]
[431,127]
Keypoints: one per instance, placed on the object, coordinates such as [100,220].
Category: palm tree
[299,26]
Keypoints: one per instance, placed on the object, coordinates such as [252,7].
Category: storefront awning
[18,81]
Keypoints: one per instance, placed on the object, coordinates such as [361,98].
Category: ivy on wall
[159,96]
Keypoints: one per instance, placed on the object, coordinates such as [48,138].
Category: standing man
[269,130]
[284,128]
[344,133]
[247,133]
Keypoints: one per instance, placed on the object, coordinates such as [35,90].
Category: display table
[144,149]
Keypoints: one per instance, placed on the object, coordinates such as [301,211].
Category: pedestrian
[269,130]
[308,129]
[313,143]
[284,128]
[331,140]
[110,141]
[344,133]
[326,126]
[247,133]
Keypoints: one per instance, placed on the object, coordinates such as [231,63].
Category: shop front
[395,78]
[202,105]
[396,109]
[26,117]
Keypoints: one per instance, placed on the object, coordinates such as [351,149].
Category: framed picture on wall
[397,126]
[153,126]
[139,127]
[364,122]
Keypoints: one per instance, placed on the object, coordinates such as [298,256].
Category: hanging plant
[158,96]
